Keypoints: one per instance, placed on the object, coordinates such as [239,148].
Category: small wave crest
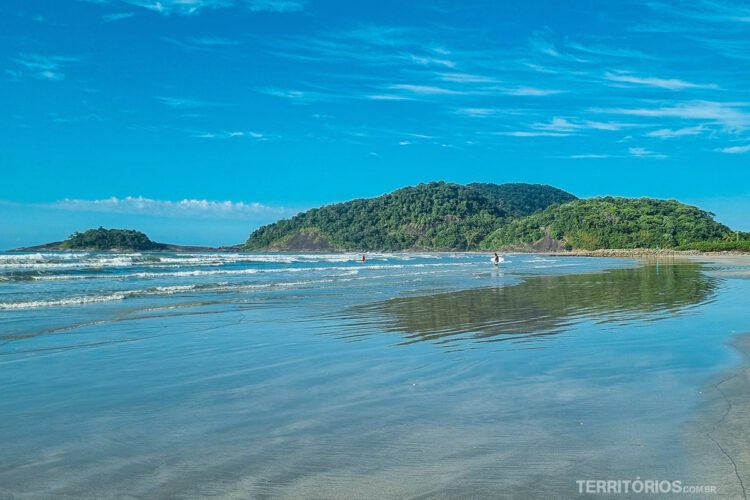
[165,290]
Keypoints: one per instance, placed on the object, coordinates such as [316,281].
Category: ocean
[159,375]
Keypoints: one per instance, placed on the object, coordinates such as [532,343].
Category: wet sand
[718,437]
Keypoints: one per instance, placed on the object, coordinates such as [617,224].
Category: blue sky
[198,120]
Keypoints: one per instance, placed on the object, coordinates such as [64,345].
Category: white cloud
[299,96]
[601,50]
[541,45]
[465,78]
[181,103]
[425,89]
[275,5]
[590,156]
[735,150]
[117,16]
[167,208]
[666,133]
[182,7]
[388,97]
[232,134]
[530,91]
[564,125]
[558,125]
[478,112]
[213,41]
[430,61]
[190,7]
[726,114]
[42,67]
[662,83]
[528,133]
[644,153]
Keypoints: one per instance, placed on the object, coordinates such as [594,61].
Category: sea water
[311,375]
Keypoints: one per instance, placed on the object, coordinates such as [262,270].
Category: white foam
[238,272]
[34,304]
[161,290]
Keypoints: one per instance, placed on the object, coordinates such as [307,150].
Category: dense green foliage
[518,199]
[109,239]
[437,215]
[613,223]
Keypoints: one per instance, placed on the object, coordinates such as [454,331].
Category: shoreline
[605,252]
[642,252]
[718,436]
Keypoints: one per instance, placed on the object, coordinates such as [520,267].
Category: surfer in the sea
[496,259]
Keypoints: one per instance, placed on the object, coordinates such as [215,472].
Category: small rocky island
[113,240]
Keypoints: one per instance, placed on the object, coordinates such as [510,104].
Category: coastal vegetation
[104,240]
[437,215]
[609,222]
[444,216]
[109,239]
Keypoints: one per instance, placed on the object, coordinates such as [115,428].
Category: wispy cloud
[388,97]
[181,102]
[735,149]
[541,44]
[466,78]
[530,133]
[41,67]
[479,112]
[202,43]
[191,7]
[299,96]
[609,51]
[640,152]
[212,41]
[705,11]
[275,5]
[565,125]
[730,115]
[181,7]
[425,89]
[117,16]
[168,208]
[590,156]
[666,133]
[531,91]
[224,134]
[662,83]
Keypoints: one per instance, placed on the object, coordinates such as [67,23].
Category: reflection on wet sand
[544,305]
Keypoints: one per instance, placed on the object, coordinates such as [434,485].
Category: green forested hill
[613,223]
[444,216]
[437,215]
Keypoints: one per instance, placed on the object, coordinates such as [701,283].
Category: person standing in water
[363,259]
[496,259]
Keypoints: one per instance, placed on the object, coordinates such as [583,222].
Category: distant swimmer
[363,259]
[497,259]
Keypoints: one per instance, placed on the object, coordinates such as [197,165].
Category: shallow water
[166,375]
